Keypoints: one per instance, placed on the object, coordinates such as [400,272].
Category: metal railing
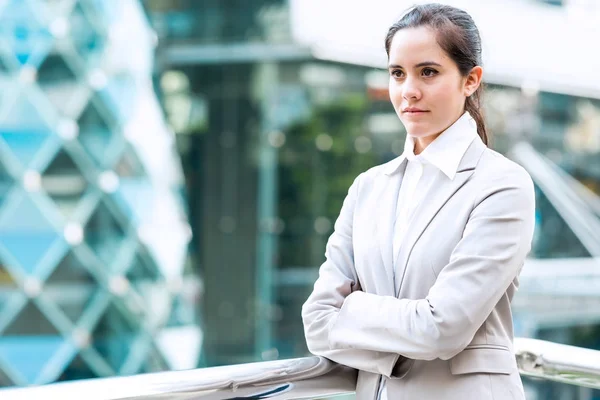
[310,377]
[578,207]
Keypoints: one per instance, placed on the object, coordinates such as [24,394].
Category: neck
[422,143]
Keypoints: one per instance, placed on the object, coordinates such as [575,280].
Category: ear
[472,81]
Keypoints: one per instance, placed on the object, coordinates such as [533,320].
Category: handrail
[307,377]
[558,362]
[294,378]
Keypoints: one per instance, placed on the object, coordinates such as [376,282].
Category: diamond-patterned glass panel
[27,355]
[64,182]
[143,269]
[87,35]
[119,94]
[114,336]
[96,130]
[77,196]
[6,183]
[70,271]
[26,36]
[129,164]
[29,343]
[23,129]
[77,369]
[26,235]
[55,70]
[155,361]
[147,282]
[59,83]
[136,196]
[30,321]
[71,287]
[104,234]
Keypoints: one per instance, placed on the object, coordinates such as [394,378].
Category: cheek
[394,92]
[395,97]
[447,94]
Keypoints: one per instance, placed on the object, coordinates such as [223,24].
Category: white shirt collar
[446,151]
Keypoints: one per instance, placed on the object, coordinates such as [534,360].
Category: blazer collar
[445,152]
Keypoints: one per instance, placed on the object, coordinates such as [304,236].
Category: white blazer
[447,332]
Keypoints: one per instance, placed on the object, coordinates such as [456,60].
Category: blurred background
[171,170]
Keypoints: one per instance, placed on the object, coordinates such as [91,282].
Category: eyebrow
[421,64]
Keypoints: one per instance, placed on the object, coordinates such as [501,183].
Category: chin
[418,130]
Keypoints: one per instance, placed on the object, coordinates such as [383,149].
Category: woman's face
[426,88]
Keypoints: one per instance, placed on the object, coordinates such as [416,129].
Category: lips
[413,110]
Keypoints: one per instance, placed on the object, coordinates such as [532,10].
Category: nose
[410,89]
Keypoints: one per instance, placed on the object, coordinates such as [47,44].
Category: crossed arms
[375,333]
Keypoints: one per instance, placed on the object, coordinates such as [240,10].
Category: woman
[422,266]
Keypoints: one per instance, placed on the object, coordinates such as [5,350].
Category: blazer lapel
[386,217]
[435,198]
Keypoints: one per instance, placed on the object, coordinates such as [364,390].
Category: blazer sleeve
[337,279]
[490,254]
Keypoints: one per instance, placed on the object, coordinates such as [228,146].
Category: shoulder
[495,166]
[495,172]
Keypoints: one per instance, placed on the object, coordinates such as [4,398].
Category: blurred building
[278,105]
[93,224]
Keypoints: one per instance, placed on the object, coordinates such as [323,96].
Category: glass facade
[93,225]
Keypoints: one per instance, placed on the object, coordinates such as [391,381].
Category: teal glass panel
[6,183]
[24,129]
[29,354]
[55,70]
[64,182]
[77,369]
[56,78]
[27,234]
[143,268]
[96,131]
[136,196]
[28,40]
[71,287]
[104,234]
[24,145]
[114,336]
[28,248]
[25,115]
[87,38]
[129,165]
[107,11]
[120,93]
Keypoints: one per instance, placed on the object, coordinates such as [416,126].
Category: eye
[397,73]
[429,72]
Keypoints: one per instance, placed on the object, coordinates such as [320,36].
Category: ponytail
[473,106]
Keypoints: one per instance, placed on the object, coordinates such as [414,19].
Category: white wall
[526,42]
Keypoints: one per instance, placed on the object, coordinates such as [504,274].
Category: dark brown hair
[458,36]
